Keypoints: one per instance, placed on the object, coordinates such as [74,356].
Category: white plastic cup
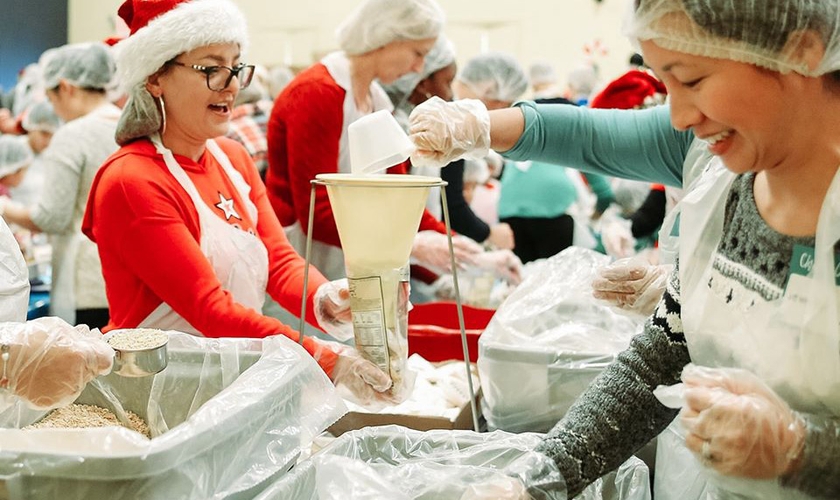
[377,142]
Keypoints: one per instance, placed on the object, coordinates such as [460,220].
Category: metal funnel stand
[377,217]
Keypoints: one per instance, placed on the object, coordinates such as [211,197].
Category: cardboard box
[356,420]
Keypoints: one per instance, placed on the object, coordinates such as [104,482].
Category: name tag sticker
[799,281]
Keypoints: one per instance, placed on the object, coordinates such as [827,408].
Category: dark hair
[637,60]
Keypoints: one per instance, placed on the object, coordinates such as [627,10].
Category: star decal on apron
[226,206]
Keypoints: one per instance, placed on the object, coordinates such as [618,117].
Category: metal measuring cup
[138,352]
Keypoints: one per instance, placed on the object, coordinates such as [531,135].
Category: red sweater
[304,132]
[147,230]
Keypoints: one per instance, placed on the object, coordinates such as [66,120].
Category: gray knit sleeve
[819,472]
[618,414]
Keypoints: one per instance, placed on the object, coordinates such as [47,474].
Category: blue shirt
[610,138]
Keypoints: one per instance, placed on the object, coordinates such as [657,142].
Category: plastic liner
[228,417]
[547,342]
[398,463]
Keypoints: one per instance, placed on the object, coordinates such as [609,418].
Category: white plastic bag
[547,342]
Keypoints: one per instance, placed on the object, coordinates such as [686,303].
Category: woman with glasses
[187,237]
[76,78]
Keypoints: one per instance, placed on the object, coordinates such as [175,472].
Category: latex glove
[496,162]
[504,263]
[361,381]
[5,201]
[499,487]
[444,287]
[332,309]
[632,284]
[617,237]
[431,249]
[750,432]
[446,131]
[50,362]
[501,236]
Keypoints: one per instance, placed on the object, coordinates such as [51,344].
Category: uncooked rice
[78,416]
[141,338]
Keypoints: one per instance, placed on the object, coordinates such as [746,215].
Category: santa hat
[634,89]
[160,30]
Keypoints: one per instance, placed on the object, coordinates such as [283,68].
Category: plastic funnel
[377,216]
[377,142]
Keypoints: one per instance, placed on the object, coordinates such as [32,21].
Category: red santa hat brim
[631,90]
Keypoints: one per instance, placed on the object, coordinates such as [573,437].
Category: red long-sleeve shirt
[148,233]
[304,133]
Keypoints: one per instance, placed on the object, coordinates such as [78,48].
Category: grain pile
[141,338]
[77,416]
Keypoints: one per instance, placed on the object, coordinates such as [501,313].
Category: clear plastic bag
[227,416]
[547,342]
[402,464]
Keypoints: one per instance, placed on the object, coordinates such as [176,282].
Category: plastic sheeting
[547,342]
[399,464]
[227,417]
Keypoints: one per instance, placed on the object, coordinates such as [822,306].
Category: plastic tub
[228,416]
[434,332]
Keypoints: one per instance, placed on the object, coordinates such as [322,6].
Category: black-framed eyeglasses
[219,77]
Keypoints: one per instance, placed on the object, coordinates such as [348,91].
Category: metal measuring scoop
[138,360]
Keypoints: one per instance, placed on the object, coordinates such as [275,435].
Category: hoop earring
[162,115]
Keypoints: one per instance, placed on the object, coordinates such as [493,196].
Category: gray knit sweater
[618,413]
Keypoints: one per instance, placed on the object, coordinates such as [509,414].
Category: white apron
[239,258]
[327,258]
[800,360]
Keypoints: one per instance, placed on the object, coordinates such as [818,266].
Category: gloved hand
[617,237]
[431,249]
[446,131]
[632,284]
[361,381]
[504,263]
[50,362]
[332,309]
[739,426]
[501,236]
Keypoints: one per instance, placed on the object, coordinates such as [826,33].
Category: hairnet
[542,72]
[376,23]
[86,65]
[28,89]
[14,154]
[278,78]
[761,32]
[441,56]
[495,75]
[476,171]
[41,116]
[582,79]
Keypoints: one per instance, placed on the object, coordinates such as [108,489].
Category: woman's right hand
[50,362]
[446,131]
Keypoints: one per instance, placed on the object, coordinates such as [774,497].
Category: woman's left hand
[332,309]
[739,426]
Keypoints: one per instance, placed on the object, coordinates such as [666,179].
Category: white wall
[298,31]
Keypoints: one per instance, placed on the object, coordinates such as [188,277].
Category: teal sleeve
[631,144]
[603,192]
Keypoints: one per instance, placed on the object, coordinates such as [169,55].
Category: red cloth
[304,132]
[147,230]
[138,13]
[629,91]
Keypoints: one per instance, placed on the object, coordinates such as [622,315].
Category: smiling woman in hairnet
[749,319]
[188,239]
[381,41]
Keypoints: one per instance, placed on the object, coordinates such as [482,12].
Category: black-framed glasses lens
[220,79]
